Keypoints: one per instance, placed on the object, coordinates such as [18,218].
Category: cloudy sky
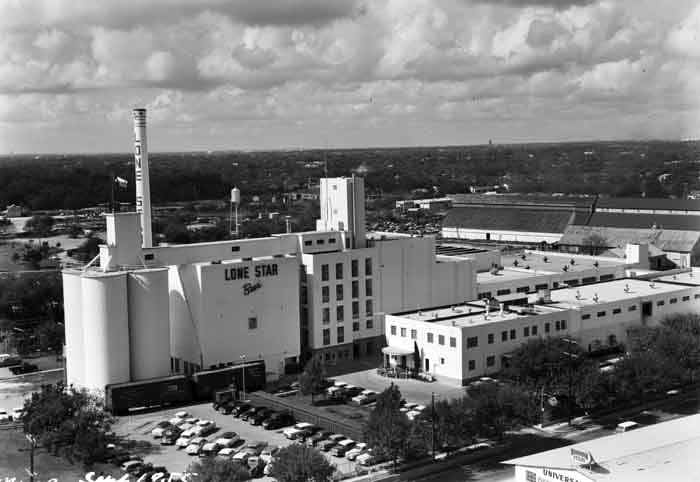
[242,74]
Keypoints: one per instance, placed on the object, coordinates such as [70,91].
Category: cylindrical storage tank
[149,323]
[235,195]
[105,329]
[73,314]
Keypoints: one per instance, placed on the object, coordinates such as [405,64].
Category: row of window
[354,269]
[340,312]
[340,294]
[543,286]
[309,242]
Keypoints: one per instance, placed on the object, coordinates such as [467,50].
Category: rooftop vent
[578,295]
[596,264]
[651,285]
[565,268]
[627,288]
[573,261]
[453,323]
[595,297]
[545,259]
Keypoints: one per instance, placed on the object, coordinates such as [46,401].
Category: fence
[303,413]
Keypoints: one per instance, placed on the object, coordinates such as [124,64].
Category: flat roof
[665,451]
[470,314]
[689,278]
[486,277]
[610,292]
[555,262]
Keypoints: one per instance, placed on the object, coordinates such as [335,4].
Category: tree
[299,463]
[214,469]
[416,358]
[595,243]
[39,225]
[87,250]
[69,422]
[498,408]
[311,381]
[387,428]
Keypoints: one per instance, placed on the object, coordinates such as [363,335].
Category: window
[339,292]
[587,316]
[557,326]
[325,294]
[368,266]
[607,277]
[632,308]
[341,334]
[320,241]
[485,295]
[502,292]
[660,303]
[686,298]
[571,282]
[590,279]
[453,342]
[617,311]
[253,323]
[368,308]
[368,287]
[327,337]
[542,286]
[355,289]
[563,324]
[512,334]
[673,301]
[340,314]
[600,314]
[354,267]
[308,243]
[490,339]
[414,334]
[472,365]
[526,331]
[441,339]
[393,329]
[442,361]
[430,337]
[326,316]
[355,309]
[324,272]
[338,270]
[523,289]
[546,327]
[697,296]
[369,323]
[355,326]
[331,241]
[490,361]
[504,336]
[472,342]
[235,249]
[403,332]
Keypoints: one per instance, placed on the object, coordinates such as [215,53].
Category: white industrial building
[461,342]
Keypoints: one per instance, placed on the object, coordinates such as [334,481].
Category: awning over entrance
[393,350]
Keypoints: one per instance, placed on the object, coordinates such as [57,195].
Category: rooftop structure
[665,451]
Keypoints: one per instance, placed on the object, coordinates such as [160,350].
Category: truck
[120,398]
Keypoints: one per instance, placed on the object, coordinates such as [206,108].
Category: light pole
[32,446]
[243,369]
[432,421]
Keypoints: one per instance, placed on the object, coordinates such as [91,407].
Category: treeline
[617,169]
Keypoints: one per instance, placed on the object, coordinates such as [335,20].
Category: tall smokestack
[143,189]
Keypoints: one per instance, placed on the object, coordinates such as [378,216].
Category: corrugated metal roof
[664,239]
[518,200]
[508,219]
[642,221]
[649,203]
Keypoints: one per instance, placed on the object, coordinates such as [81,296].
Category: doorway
[427,365]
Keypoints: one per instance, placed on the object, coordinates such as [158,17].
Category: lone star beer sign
[251,272]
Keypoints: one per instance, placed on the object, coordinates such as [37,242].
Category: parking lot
[138,427]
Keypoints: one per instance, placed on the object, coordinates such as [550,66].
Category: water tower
[235,201]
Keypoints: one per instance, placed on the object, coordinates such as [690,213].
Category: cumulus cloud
[346,65]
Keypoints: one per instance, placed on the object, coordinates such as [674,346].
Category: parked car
[17,413]
[258,418]
[627,426]
[269,452]
[24,368]
[353,391]
[4,416]
[367,396]
[256,446]
[195,445]
[250,413]
[184,440]
[342,447]
[170,436]
[227,407]
[327,445]
[358,449]
[160,427]
[132,465]
[318,437]
[210,449]
[278,420]
[239,410]
[227,453]
[227,439]
[256,465]
[366,459]
[243,455]
[293,432]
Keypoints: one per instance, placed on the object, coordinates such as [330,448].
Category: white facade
[496,235]
[464,341]
[342,202]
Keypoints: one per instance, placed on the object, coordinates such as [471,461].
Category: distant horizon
[340,148]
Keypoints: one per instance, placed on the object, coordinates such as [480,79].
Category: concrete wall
[494,235]
[73,319]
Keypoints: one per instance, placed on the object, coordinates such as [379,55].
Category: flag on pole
[121,182]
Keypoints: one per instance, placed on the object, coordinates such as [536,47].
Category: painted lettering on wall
[245,272]
[249,288]
[552,475]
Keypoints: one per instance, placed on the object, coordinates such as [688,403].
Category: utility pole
[32,446]
[432,417]
[243,358]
